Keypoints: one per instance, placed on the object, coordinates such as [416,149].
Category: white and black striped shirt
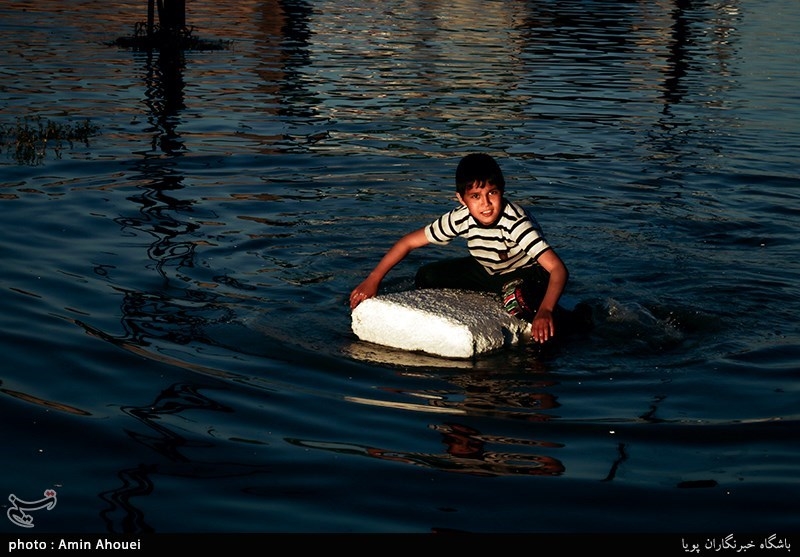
[515,241]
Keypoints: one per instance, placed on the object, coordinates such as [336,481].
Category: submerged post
[150,17]
[166,28]
[172,15]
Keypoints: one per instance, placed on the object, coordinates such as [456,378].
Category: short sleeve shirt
[514,242]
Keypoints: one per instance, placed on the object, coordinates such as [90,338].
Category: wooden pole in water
[150,17]
[172,15]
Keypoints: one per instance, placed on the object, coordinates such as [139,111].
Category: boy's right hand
[362,292]
[399,250]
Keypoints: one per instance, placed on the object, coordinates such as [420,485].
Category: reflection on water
[466,452]
[50,404]
[165,98]
[123,514]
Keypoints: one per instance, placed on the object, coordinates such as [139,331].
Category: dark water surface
[177,353]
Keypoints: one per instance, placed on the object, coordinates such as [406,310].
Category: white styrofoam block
[449,323]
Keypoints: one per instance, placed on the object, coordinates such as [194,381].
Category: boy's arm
[543,326]
[395,255]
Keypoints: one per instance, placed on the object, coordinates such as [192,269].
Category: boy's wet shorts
[519,300]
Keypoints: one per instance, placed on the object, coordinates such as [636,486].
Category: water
[176,341]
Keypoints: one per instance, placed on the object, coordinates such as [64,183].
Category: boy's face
[484,202]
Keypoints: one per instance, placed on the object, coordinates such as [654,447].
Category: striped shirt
[513,242]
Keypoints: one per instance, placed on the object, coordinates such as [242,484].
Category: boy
[508,252]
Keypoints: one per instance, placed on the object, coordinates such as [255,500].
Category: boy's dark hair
[478,167]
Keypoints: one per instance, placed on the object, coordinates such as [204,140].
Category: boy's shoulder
[516,214]
[515,210]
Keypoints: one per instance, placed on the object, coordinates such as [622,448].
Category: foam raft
[447,323]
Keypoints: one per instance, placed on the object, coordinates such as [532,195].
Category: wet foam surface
[449,323]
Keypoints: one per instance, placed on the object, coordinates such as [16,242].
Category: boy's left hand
[543,328]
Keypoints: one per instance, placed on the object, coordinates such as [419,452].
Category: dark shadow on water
[167,448]
[179,311]
[164,97]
